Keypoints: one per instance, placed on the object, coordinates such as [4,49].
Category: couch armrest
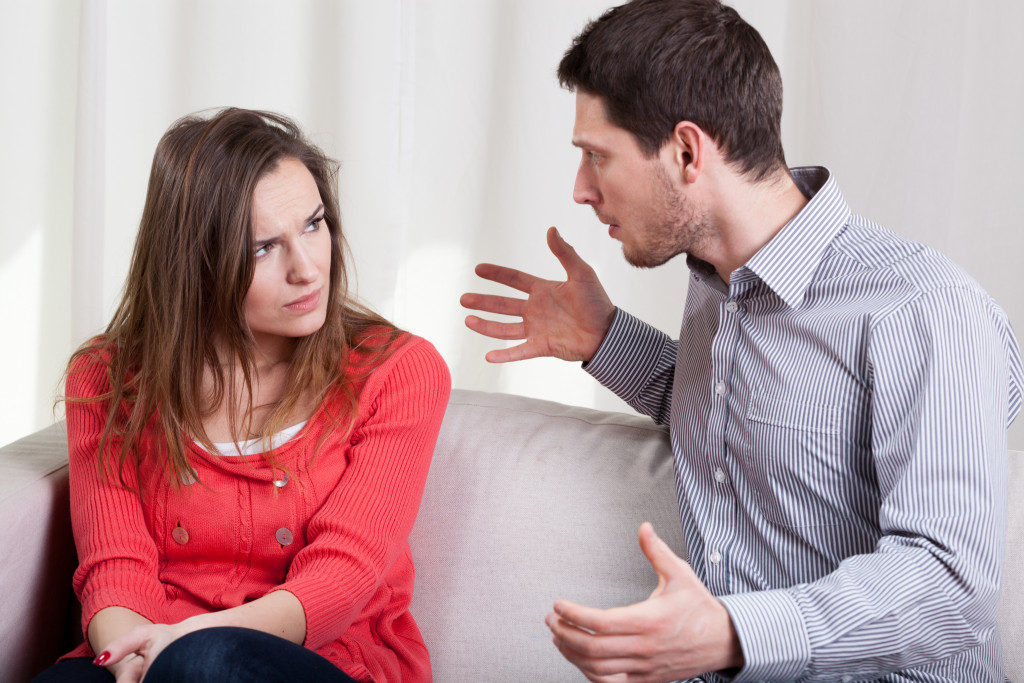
[36,601]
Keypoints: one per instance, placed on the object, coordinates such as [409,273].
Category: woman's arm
[279,613]
[118,558]
[362,527]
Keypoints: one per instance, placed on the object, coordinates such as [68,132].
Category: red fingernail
[102,658]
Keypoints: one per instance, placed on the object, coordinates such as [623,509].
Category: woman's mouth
[304,303]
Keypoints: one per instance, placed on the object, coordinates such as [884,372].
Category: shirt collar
[788,261]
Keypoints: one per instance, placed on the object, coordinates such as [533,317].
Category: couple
[838,400]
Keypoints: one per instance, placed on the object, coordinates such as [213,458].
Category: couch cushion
[528,502]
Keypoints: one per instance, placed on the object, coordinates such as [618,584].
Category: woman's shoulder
[88,374]
[383,353]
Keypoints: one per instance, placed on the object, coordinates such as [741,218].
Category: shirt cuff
[629,353]
[772,635]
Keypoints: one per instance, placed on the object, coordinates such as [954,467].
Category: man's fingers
[510,277]
[494,329]
[597,670]
[669,566]
[615,621]
[490,303]
[575,267]
[522,351]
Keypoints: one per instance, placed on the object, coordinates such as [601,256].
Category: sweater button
[283,536]
[180,535]
[279,483]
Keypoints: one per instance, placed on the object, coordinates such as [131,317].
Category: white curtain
[453,137]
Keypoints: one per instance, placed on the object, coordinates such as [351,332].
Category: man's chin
[639,259]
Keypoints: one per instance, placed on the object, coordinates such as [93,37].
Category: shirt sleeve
[118,559]
[945,377]
[637,362]
[364,524]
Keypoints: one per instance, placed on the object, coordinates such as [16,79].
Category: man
[838,397]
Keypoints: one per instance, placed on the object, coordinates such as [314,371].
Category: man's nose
[584,191]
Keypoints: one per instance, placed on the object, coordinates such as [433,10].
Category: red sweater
[334,534]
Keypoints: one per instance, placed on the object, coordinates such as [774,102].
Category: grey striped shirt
[838,416]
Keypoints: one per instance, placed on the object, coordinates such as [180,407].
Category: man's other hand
[680,631]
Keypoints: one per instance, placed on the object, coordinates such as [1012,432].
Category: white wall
[454,142]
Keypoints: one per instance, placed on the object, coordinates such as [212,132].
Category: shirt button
[732,307]
[180,535]
[719,475]
[715,557]
[283,536]
[279,483]
[187,478]
[720,388]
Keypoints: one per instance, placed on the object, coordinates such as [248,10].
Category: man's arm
[941,376]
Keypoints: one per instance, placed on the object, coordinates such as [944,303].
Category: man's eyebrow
[589,145]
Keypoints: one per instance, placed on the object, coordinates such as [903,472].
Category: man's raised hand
[566,320]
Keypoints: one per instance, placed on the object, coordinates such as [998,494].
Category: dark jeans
[215,655]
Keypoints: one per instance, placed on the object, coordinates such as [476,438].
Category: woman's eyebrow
[312,216]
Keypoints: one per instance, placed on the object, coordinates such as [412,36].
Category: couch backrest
[528,502]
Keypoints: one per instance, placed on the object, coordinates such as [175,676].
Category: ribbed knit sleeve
[362,528]
[118,558]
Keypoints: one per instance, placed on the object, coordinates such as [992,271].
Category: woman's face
[288,295]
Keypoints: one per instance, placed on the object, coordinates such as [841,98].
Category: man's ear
[690,148]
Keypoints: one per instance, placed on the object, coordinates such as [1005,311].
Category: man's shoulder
[905,264]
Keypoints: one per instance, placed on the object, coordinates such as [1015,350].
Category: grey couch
[528,501]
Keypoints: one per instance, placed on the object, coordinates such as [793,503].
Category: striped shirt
[838,415]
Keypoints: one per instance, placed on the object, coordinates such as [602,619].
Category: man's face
[642,200]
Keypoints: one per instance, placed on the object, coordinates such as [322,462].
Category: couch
[527,501]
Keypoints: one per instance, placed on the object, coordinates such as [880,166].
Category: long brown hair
[182,304]
[655,63]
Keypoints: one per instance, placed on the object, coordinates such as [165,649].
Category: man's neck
[747,215]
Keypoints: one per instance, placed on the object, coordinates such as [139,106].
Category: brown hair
[655,63]
[190,272]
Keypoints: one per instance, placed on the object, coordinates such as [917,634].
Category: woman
[248,445]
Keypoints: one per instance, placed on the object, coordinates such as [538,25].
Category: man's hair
[655,63]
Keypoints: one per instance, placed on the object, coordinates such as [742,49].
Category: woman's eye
[315,225]
[264,250]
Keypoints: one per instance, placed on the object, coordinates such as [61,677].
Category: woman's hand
[130,656]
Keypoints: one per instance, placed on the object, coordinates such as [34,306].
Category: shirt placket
[723,503]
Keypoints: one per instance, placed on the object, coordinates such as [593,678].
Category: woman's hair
[655,63]
[181,313]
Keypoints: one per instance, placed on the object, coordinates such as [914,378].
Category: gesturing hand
[680,631]
[567,320]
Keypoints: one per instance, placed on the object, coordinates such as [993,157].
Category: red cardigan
[332,530]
